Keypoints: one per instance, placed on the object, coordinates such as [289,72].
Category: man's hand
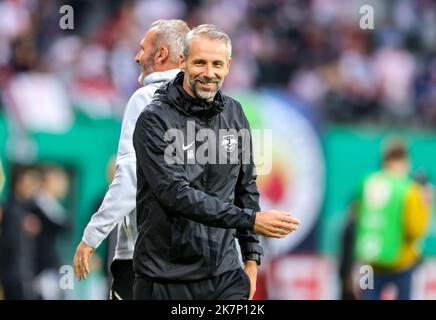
[275,223]
[32,224]
[81,260]
[251,271]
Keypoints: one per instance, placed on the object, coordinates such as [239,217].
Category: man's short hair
[209,31]
[170,33]
[395,149]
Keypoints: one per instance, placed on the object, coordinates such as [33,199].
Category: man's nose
[208,72]
[137,58]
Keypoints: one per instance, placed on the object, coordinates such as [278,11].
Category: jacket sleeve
[120,199]
[118,202]
[169,182]
[247,196]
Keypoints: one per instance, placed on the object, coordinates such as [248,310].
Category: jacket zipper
[211,243]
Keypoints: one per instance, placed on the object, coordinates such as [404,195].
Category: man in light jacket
[158,58]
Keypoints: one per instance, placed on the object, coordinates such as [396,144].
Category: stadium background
[330,91]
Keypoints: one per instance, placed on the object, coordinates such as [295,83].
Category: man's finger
[289,227]
[284,229]
[290,219]
[86,265]
[270,234]
[279,233]
[252,289]
[82,265]
[84,262]
[77,267]
[293,227]
[76,270]
[295,221]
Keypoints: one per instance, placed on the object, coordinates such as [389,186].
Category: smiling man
[207,67]
[189,212]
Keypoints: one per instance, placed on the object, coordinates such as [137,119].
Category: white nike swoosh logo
[188,146]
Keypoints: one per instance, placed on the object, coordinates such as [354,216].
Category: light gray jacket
[119,203]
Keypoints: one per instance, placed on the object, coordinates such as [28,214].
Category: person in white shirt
[158,58]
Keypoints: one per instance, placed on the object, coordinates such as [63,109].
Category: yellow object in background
[417,217]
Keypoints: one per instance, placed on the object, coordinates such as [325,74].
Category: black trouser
[123,279]
[232,285]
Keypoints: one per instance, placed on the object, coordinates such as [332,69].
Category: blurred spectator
[53,221]
[427,188]
[33,97]
[426,93]
[93,89]
[19,228]
[2,183]
[2,179]
[346,256]
[395,72]
[315,50]
[393,216]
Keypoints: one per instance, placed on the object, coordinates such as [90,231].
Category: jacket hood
[175,95]
[160,76]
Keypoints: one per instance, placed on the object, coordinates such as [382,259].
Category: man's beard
[141,78]
[204,94]
[146,69]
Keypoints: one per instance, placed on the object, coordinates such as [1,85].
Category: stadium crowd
[315,50]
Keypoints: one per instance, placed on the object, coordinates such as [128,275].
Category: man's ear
[182,63]
[228,65]
[161,56]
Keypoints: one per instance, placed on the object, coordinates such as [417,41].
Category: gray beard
[145,70]
[141,78]
[204,95]
[201,94]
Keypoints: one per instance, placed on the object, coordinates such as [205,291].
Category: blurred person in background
[2,177]
[19,228]
[2,183]
[158,58]
[330,60]
[393,215]
[53,220]
[346,257]
[34,98]
[427,187]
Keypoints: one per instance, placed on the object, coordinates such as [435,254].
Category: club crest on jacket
[229,143]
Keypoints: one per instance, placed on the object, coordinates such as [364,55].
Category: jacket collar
[160,76]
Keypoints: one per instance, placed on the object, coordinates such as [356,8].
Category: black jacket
[188,214]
